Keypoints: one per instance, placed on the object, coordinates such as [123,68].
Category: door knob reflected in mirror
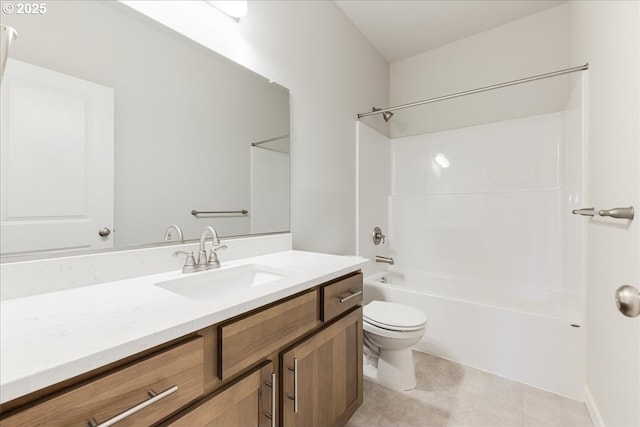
[628,301]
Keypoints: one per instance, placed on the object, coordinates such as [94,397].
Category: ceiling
[403,28]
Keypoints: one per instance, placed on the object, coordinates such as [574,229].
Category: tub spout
[386,260]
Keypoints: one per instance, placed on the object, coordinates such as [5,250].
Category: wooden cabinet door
[245,403]
[322,376]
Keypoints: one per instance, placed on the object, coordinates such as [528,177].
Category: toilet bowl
[390,330]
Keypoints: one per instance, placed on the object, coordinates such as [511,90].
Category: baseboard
[596,419]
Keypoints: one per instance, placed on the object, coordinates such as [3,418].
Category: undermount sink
[214,283]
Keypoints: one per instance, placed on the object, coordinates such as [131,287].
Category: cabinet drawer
[340,296]
[247,341]
[102,399]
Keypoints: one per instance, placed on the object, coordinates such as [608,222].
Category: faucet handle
[377,236]
[213,261]
[190,263]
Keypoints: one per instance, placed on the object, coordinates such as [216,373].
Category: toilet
[390,330]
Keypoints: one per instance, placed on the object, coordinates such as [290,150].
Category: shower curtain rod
[478,90]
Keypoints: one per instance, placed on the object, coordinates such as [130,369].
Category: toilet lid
[397,317]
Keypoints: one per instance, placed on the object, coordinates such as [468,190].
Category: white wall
[529,46]
[374,188]
[607,35]
[332,73]
[270,185]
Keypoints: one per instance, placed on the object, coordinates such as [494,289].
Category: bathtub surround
[489,203]
[481,229]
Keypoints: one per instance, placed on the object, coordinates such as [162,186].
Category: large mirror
[115,127]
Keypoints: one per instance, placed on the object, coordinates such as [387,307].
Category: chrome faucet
[387,260]
[177,229]
[204,262]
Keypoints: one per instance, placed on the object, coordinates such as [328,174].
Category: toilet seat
[390,333]
[394,317]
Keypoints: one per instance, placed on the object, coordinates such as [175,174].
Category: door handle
[104,232]
[628,301]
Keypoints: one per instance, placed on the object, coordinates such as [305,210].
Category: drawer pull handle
[272,385]
[294,397]
[347,298]
[154,397]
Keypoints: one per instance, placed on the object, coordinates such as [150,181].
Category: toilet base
[395,369]
[370,368]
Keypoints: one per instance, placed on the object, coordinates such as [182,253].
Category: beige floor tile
[452,395]
[575,414]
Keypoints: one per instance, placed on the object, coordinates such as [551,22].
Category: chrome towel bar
[621,213]
[196,213]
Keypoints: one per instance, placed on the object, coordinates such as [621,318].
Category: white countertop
[48,338]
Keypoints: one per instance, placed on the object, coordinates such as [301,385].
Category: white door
[613,353]
[613,248]
[56,138]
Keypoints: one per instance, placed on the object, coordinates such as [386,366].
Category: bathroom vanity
[287,352]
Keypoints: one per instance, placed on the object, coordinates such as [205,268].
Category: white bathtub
[528,335]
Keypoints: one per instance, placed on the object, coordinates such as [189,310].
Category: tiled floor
[449,394]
